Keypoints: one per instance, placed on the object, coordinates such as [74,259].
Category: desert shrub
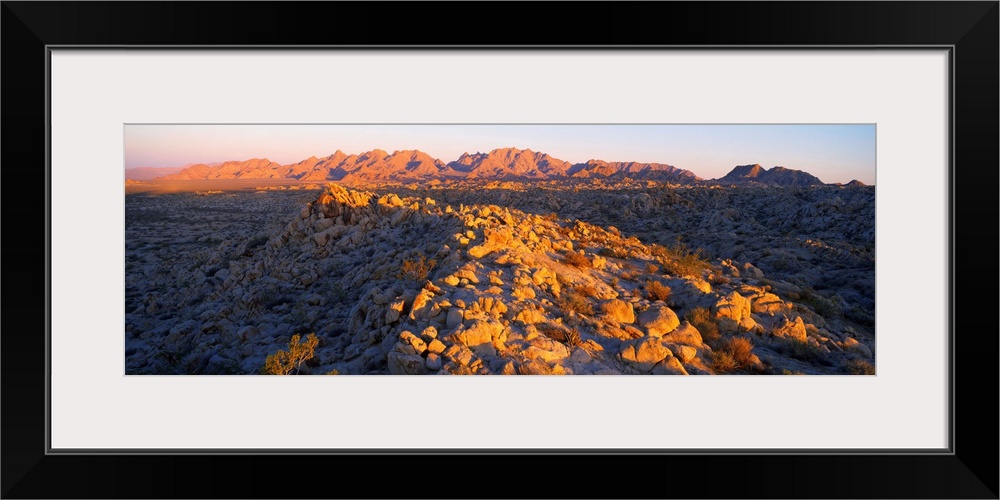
[568,336]
[734,354]
[821,305]
[680,260]
[256,242]
[587,290]
[576,259]
[804,351]
[333,372]
[701,319]
[283,362]
[614,282]
[572,338]
[719,279]
[551,331]
[657,291]
[859,367]
[723,362]
[563,279]
[629,271]
[416,269]
[652,268]
[859,315]
[784,263]
[619,252]
[741,349]
[573,301]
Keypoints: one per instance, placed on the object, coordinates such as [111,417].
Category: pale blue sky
[834,153]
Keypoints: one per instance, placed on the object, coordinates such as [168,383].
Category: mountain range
[409,166]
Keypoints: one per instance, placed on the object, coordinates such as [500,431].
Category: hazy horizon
[833,153]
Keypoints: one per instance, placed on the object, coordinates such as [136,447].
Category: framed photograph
[773,214]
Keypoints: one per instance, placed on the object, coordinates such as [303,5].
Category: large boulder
[685,334]
[644,353]
[853,345]
[479,334]
[405,364]
[658,320]
[493,239]
[752,271]
[733,306]
[790,328]
[619,311]
[669,366]
[684,353]
[769,303]
[546,349]
[455,317]
[433,362]
[459,354]
[422,305]
[436,346]
[394,311]
[491,306]
[730,310]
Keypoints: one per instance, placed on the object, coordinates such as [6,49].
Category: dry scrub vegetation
[657,291]
[577,259]
[701,318]
[734,355]
[284,362]
[575,301]
[416,269]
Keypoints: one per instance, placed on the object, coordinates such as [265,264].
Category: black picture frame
[970,29]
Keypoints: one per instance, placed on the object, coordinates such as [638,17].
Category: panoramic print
[499,249]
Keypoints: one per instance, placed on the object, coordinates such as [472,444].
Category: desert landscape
[506,262]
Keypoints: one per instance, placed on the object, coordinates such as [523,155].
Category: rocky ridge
[417,285]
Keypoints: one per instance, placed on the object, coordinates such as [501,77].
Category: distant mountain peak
[747,171]
[778,176]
